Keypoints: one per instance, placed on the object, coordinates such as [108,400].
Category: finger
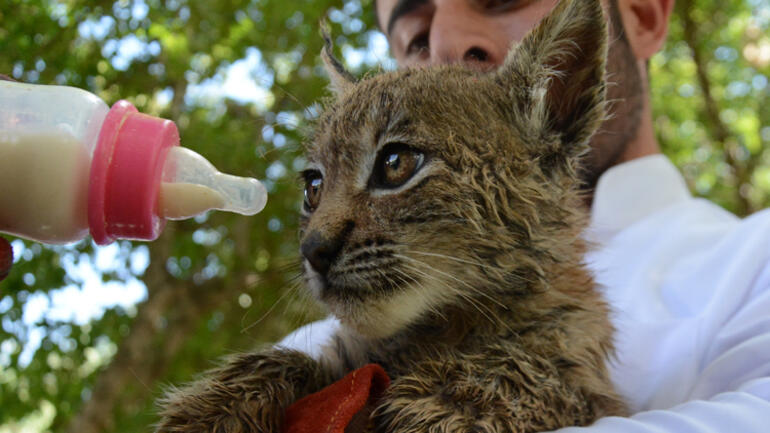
[6,258]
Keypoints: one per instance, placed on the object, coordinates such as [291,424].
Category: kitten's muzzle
[321,251]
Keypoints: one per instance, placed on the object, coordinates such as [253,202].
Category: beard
[625,96]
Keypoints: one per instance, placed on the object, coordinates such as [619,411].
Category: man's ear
[555,76]
[340,80]
[646,24]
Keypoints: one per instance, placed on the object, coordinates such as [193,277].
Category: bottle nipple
[190,185]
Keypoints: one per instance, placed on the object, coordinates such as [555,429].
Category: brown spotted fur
[468,286]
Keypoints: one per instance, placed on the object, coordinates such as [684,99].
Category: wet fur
[466,284]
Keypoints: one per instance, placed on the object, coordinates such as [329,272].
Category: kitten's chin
[379,318]
[373,316]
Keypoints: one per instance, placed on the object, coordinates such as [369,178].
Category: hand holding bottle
[6,258]
[70,165]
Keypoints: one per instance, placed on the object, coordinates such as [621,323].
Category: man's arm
[746,410]
[695,349]
[740,365]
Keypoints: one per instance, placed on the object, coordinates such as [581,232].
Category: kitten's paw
[220,408]
[248,394]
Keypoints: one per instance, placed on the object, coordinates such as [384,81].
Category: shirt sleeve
[745,410]
[311,338]
[732,390]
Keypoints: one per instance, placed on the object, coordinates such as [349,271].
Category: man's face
[480,32]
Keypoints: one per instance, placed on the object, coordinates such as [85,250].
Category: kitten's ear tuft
[339,79]
[556,74]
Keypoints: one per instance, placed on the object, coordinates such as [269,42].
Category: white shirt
[689,286]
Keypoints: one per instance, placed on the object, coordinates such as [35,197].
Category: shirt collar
[630,191]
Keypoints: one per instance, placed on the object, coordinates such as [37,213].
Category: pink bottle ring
[126,172]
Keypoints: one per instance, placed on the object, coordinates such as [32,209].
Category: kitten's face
[395,220]
[442,186]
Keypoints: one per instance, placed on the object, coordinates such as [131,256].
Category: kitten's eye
[313,183]
[396,164]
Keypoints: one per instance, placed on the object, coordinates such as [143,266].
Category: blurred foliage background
[90,335]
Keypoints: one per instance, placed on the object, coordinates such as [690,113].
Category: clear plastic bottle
[70,165]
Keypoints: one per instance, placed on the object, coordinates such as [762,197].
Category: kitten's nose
[321,251]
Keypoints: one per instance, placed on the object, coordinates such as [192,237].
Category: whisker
[470,262]
[305,305]
[269,310]
[478,305]
[457,259]
[475,303]
[431,306]
[454,278]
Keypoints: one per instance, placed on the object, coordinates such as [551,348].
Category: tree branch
[137,361]
[720,132]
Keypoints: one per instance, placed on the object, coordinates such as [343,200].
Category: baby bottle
[70,165]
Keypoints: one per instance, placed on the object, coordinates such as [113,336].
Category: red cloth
[331,409]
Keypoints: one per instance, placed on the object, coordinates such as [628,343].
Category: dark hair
[615,18]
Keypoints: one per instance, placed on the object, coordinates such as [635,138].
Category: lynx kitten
[442,226]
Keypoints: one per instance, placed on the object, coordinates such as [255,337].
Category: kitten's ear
[555,76]
[339,79]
